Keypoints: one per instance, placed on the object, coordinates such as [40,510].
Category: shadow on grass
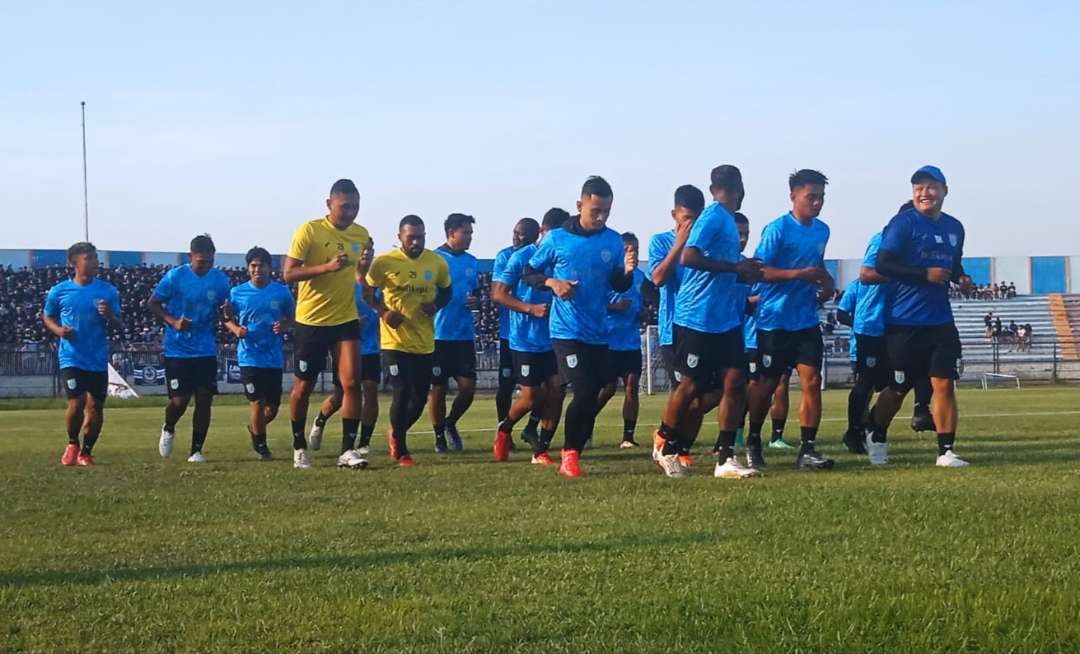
[361,561]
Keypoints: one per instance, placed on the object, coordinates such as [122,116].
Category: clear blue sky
[236,121]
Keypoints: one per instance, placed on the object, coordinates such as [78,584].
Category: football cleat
[877,452]
[813,460]
[542,459]
[686,460]
[571,464]
[921,420]
[315,435]
[755,457]
[455,438]
[406,461]
[780,444]
[950,460]
[165,443]
[71,455]
[855,442]
[262,450]
[196,457]
[628,445]
[352,460]
[85,460]
[672,466]
[732,469]
[440,445]
[300,459]
[501,446]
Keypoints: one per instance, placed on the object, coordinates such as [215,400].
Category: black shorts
[667,355]
[779,351]
[506,363]
[78,382]
[453,359]
[534,368]
[622,363]
[186,376]
[923,351]
[407,369]
[704,356]
[261,384]
[370,369]
[581,365]
[312,344]
[872,360]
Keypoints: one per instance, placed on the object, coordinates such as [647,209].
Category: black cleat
[855,442]
[922,421]
[455,438]
[440,445]
[262,450]
[755,458]
[813,460]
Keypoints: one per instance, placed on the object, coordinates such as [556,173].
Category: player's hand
[337,263]
[393,319]
[749,270]
[429,308]
[682,232]
[562,288]
[67,332]
[538,310]
[630,261]
[239,331]
[104,309]
[938,275]
[181,324]
[621,305]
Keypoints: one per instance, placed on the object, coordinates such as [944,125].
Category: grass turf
[464,555]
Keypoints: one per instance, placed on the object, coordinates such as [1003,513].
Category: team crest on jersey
[938,239]
[953,239]
[692,360]
[899,376]
[249,387]
[436,370]
[766,360]
[302,365]
[525,370]
[211,294]
[71,384]
[393,370]
[428,276]
[275,305]
[571,360]
[871,362]
[605,256]
[174,384]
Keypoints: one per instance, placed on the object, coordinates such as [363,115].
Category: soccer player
[79,312]
[370,370]
[415,284]
[188,299]
[624,347]
[535,366]
[708,324]
[585,262]
[455,334]
[921,252]
[258,313]
[792,250]
[321,260]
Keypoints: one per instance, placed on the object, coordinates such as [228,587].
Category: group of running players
[732,329]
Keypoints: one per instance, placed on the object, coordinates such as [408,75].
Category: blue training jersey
[501,259]
[76,306]
[369,334]
[703,302]
[258,309]
[919,241]
[185,294]
[872,299]
[454,322]
[659,246]
[849,303]
[590,260]
[750,323]
[740,294]
[527,333]
[624,327]
[788,244]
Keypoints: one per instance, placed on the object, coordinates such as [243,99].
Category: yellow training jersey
[406,284]
[328,299]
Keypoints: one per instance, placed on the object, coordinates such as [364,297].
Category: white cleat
[877,452]
[196,458]
[300,459]
[732,469]
[315,435]
[950,460]
[672,466]
[164,444]
[363,451]
[352,460]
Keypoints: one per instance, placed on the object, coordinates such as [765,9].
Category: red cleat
[71,455]
[392,443]
[543,459]
[571,464]
[501,448]
[85,460]
[686,460]
[406,461]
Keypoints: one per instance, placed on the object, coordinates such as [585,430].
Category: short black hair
[457,221]
[910,204]
[597,186]
[806,177]
[532,229]
[259,253]
[344,186]
[726,178]
[202,244]
[690,197]
[82,247]
[555,218]
[629,237]
[411,219]
[741,219]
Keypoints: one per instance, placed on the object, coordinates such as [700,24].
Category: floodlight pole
[86,203]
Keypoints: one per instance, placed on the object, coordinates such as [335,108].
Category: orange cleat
[543,459]
[85,460]
[686,460]
[501,448]
[406,461]
[71,454]
[571,464]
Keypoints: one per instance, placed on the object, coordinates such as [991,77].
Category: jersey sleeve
[52,302]
[114,301]
[164,288]
[376,274]
[897,235]
[544,257]
[820,262]
[442,276]
[847,300]
[658,250]
[768,250]
[301,241]
[224,287]
[510,272]
[701,234]
[870,256]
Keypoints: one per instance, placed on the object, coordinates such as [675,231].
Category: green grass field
[464,555]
